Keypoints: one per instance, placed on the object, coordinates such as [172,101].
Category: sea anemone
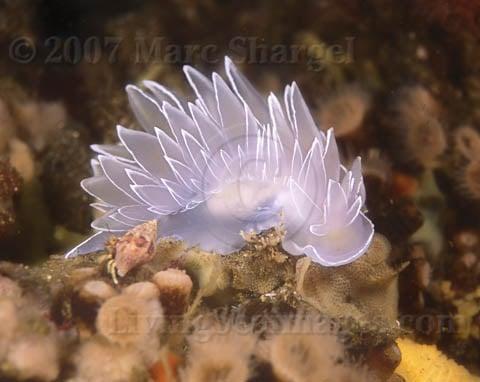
[96,290]
[345,111]
[9,288]
[98,360]
[142,289]
[127,321]
[306,350]
[418,130]
[219,352]
[231,161]
[467,142]
[9,317]
[377,165]
[175,287]
[469,182]
[34,357]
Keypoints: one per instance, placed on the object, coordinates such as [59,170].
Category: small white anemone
[228,162]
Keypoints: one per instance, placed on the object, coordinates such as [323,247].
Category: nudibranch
[227,162]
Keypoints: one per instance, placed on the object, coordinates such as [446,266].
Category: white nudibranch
[228,162]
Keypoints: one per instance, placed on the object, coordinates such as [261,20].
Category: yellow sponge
[425,363]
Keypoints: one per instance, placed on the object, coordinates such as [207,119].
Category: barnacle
[229,162]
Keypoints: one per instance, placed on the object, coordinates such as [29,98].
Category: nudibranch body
[229,161]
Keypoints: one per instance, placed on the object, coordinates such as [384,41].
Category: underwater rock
[383,360]
[431,203]
[455,16]
[17,20]
[65,164]
[396,218]
[10,184]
